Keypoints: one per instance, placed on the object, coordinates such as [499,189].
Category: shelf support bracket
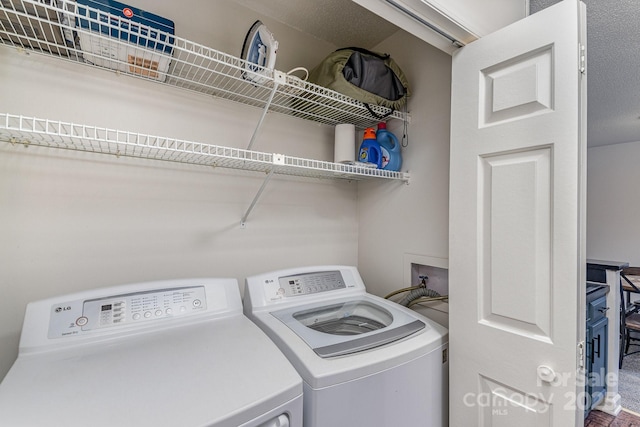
[255,199]
[278,78]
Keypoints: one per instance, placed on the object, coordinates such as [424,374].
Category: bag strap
[383,56]
[376,115]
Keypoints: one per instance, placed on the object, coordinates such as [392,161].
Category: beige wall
[613,205]
[399,222]
[71,221]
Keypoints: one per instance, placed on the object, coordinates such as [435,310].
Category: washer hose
[399,291]
[418,293]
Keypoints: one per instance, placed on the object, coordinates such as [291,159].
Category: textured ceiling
[340,22]
[613,69]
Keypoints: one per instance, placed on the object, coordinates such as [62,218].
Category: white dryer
[365,361]
[170,353]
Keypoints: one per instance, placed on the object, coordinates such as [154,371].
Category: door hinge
[581,354]
[583,59]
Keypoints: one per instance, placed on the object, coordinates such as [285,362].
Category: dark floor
[600,419]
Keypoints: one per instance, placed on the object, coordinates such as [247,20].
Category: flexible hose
[399,291]
[417,293]
[424,299]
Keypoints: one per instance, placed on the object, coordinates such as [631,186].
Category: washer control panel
[76,317]
[311,283]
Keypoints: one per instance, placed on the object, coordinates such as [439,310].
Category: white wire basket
[17,129]
[73,32]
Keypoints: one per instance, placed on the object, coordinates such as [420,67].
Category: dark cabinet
[597,335]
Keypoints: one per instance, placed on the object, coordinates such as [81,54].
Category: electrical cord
[293,70]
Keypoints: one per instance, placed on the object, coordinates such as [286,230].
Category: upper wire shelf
[50,133]
[79,33]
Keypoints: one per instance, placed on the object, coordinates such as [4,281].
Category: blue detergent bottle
[370,151]
[390,148]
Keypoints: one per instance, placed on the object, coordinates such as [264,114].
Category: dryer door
[348,327]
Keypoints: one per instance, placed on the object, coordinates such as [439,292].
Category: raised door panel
[517,201]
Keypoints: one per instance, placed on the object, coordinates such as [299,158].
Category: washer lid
[223,372]
[348,326]
[168,353]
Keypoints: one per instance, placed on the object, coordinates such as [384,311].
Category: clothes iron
[259,53]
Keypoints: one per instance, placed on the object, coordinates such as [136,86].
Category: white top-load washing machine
[365,361]
[169,353]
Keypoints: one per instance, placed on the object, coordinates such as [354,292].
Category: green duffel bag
[369,77]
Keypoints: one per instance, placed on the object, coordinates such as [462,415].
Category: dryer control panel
[311,283]
[293,284]
[75,317]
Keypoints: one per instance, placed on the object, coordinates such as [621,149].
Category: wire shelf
[49,133]
[78,33]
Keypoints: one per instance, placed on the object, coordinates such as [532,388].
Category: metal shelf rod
[25,130]
[265,110]
[255,198]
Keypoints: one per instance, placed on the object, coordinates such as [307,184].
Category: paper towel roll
[345,143]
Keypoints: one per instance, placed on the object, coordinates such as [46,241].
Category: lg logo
[60,309]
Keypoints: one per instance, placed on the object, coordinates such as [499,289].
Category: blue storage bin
[150,33]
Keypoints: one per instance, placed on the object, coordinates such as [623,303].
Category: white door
[517,224]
